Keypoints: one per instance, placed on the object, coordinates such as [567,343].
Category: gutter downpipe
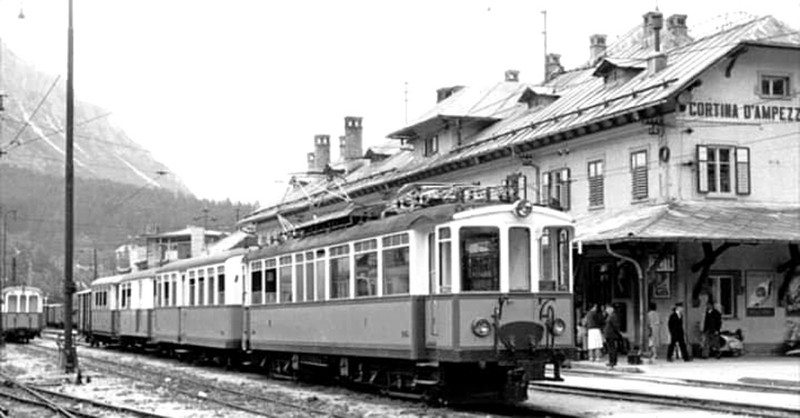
[642,294]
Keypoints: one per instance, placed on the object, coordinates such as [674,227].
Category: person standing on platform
[613,336]
[594,322]
[712,324]
[676,334]
[654,324]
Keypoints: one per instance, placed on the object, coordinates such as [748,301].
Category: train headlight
[557,326]
[523,208]
[481,327]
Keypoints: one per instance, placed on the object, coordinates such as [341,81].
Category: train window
[555,253]
[191,289]
[320,274]
[309,276]
[340,272]
[519,259]
[366,267]
[445,261]
[299,278]
[221,285]
[174,289]
[211,292]
[255,283]
[432,262]
[23,303]
[165,281]
[270,282]
[395,264]
[285,279]
[12,303]
[34,305]
[480,259]
[201,287]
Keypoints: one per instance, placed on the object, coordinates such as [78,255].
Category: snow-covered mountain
[32,133]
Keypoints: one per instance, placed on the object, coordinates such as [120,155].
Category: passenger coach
[22,313]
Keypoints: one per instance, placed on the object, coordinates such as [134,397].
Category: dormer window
[431,145]
[617,71]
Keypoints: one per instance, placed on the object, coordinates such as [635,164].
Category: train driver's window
[12,303]
[555,255]
[445,261]
[34,305]
[395,264]
[256,283]
[519,259]
[23,303]
[480,259]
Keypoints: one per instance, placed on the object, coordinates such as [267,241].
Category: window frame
[739,178]
[771,78]
[640,176]
[714,279]
[556,186]
[595,174]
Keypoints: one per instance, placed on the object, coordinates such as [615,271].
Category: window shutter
[639,175]
[702,169]
[565,192]
[546,193]
[743,171]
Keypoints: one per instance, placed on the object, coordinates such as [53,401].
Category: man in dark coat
[675,325]
[612,334]
[712,325]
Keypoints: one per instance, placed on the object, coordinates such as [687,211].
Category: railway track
[38,400]
[667,400]
[218,393]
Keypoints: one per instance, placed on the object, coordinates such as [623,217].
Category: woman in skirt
[594,323]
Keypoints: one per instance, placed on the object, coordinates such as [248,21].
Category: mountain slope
[101,149]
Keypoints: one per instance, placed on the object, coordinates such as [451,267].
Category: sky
[230,93]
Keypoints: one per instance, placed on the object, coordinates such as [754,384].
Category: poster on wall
[792,297]
[662,285]
[760,293]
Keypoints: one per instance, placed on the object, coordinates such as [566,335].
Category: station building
[678,157]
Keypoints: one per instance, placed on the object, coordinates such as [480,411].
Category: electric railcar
[22,313]
[448,302]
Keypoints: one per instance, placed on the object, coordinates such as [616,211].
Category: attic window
[774,86]
[431,145]
[617,72]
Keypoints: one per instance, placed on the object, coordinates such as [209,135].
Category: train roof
[84,291]
[188,263]
[107,280]
[22,289]
[388,225]
[138,275]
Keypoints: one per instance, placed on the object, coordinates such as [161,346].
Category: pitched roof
[490,103]
[693,221]
[584,100]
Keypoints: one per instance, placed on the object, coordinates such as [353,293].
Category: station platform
[763,373]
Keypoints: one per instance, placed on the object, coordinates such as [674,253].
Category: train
[22,313]
[444,302]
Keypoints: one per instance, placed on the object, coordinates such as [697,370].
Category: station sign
[723,110]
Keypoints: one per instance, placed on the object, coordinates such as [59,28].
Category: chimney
[677,31]
[352,133]
[446,92]
[322,152]
[653,22]
[552,67]
[597,48]
[342,147]
[512,76]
